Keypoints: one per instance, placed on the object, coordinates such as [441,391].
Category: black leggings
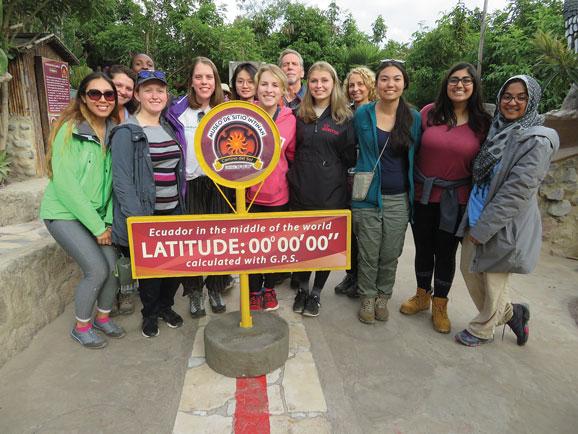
[435,250]
[257,281]
[204,198]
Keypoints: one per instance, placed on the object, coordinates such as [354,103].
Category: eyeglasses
[145,73]
[466,81]
[392,60]
[200,116]
[520,99]
[96,95]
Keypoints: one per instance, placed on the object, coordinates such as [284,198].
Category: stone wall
[20,147]
[559,206]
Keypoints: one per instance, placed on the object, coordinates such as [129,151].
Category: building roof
[27,41]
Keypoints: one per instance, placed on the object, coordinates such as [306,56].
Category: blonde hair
[340,111]
[276,72]
[217,97]
[368,78]
[75,113]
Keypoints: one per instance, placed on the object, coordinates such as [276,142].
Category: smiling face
[245,86]
[357,90]
[124,88]
[390,84]
[203,83]
[142,61]
[514,101]
[460,92]
[292,68]
[101,108]
[269,91]
[152,97]
[320,85]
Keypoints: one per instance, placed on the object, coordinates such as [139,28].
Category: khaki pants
[489,291]
[380,237]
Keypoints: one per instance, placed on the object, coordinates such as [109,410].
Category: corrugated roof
[27,41]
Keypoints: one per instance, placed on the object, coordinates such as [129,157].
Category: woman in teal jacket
[388,132]
[77,205]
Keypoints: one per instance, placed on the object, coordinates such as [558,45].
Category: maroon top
[446,154]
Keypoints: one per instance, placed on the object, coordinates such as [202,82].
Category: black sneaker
[312,306]
[216,301]
[300,299]
[346,284]
[150,327]
[173,319]
[197,304]
[353,291]
[519,322]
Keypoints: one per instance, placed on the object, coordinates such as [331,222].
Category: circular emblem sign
[237,144]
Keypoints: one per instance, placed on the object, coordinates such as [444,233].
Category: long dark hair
[250,69]
[76,112]
[443,111]
[217,98]
[400,137]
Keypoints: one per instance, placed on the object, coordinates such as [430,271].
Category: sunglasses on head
[144,73]
[392,61]
[96,95]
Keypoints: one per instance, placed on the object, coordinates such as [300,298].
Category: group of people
[124,147]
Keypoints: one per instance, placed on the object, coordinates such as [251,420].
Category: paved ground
[397,377]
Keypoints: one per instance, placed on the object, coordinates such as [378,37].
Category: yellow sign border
[208,169]
[257,216]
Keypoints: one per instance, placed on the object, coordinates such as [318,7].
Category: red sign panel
[223,244]
[57,86]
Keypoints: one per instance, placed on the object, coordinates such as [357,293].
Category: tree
[379,30]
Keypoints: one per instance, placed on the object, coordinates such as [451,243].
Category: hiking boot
[439,315]
[366,312]
[125,304]
[256,300]
[420,301]
[109,328]
[150,327]
[469,340]
[312,305]
[197,304]
[346,284]
[216,301]
[88,339]
[519,322]
[270,300]
[173,319]
[381,312]
[300,299]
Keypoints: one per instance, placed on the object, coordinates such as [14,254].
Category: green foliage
[3,62]
[5,163]
[77,73]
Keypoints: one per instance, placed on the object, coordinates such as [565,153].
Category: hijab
[501,129]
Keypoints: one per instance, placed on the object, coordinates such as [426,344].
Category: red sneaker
[256,300]
[271,302]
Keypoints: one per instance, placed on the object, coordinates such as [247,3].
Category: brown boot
[417,303]
[367,310]
[125,304]
[439,315]
[381,312]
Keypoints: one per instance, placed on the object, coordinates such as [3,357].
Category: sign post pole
[246,320]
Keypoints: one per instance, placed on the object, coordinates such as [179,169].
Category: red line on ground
[252,409]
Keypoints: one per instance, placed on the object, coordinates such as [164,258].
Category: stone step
[38,280]
[20,201]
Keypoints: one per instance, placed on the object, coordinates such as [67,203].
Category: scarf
[501,129]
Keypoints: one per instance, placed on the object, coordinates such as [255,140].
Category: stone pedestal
[238,352]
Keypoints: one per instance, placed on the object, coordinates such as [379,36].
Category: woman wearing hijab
[501,226]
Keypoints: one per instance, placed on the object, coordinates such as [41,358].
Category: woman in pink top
[273,194]
[453,129]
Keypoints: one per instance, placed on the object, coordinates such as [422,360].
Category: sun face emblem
[237,143]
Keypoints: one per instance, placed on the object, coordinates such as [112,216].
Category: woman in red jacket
[273,195]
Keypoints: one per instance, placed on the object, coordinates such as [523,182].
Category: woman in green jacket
[388,132]
[77,204]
